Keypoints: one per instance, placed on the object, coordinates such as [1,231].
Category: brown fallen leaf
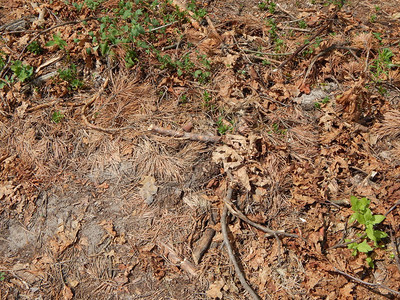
[215,289]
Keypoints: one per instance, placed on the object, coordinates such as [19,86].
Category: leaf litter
[299,102]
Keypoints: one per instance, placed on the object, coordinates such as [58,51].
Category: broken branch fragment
[185,135]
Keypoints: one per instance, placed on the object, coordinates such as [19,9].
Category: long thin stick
[374,285]
[185,135]
[232,257]
[298,50]
[263,228]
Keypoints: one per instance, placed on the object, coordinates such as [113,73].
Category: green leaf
[370,233]
[368,216]
[364,247]
[352,245]
[378,219]
[380,235]
[364,203]
[360,218]
[370,262]
[353,217]
[50,43]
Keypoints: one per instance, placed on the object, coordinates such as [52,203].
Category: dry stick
[232,257]
[393,207]
[395,247]
[322,53]
[374,285]
[185,135]
[240,215]
[40,106]
[309,41]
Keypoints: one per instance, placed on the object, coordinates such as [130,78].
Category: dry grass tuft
[42,144]
[158,160]
[303,142]
[390,126]
[128,101]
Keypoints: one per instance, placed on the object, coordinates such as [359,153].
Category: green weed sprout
[363,215]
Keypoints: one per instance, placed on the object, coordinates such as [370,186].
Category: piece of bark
[202,245]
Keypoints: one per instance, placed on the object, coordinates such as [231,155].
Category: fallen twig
[322,53]
[185,135]
[395,246]
[373,285]
[232,257]
[40,106]
[392,208]
[173,256]
[299,49]
[240,215]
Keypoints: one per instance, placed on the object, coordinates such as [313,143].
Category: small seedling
[324,101]
[21,71]
[71,76]
[34,48]
[57,41]
[302,24]
[202,76]
[382,64]
[2,276]
[270,5]
[57,117]
[223,128]
[363,215]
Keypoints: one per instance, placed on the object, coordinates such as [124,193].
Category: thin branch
[232,257]
[395,246]
[241,216]
[163,26]
[299,49]
[185,135]
[373,285]
[392,208]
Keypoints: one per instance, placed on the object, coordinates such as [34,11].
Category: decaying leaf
[214,290]
[148,189]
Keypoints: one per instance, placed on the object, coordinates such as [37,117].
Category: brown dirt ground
[118,215]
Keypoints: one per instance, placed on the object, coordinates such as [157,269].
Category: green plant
[270,5]
[183,99]
[57,117]
[202,76]
[372,19]
[93,5]
[34,48]
[363,215]
[199,13]
[272,31]
[324,101]
[21,71]
[302,24]
[223,127]
[382,63]
[57,41]
[377,35]
[71,76]
[2,276]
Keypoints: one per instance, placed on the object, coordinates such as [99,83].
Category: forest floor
[141,139]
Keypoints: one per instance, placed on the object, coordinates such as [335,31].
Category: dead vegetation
[206,151]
